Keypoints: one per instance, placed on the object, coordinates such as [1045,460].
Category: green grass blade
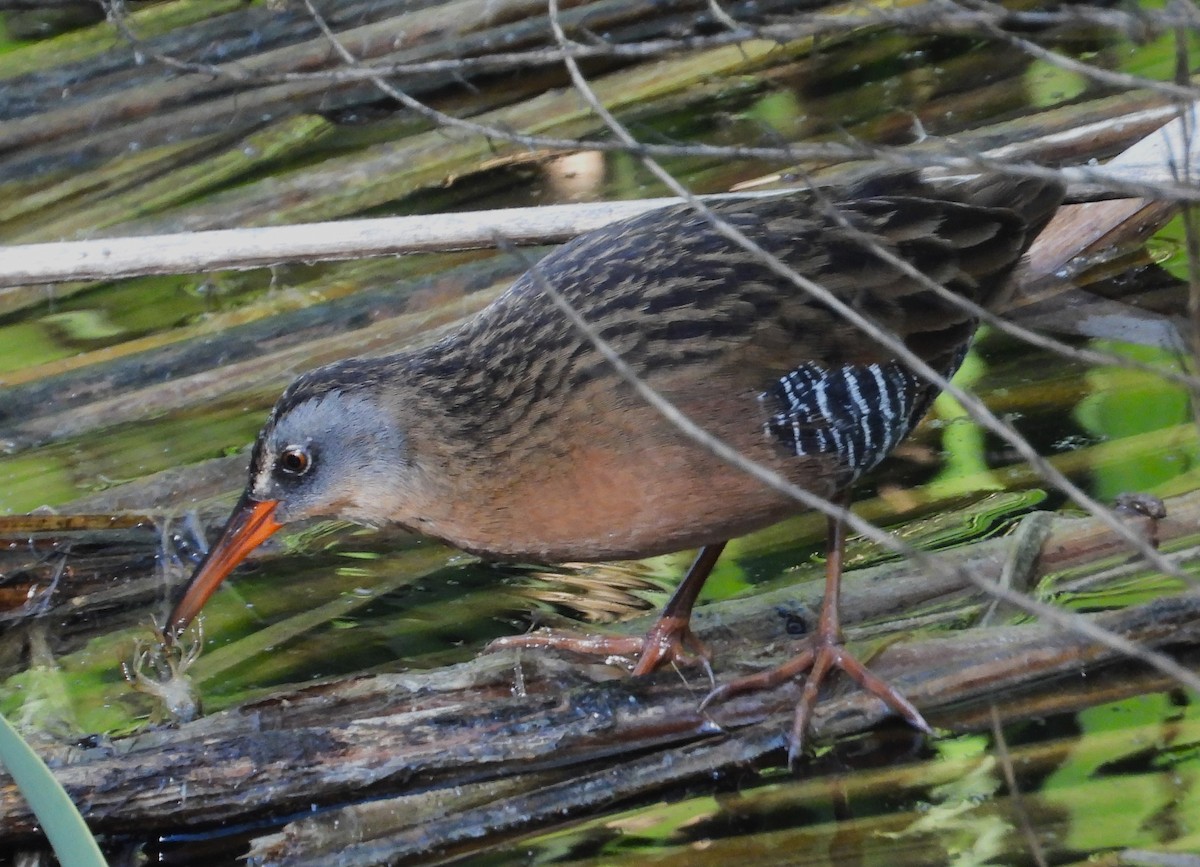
[69,835]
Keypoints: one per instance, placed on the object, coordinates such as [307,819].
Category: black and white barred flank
[857,412]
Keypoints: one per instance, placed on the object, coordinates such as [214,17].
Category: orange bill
[251,523]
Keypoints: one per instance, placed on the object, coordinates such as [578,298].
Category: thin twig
[843,151]
[1004,759]
[978,411]
[1066,619]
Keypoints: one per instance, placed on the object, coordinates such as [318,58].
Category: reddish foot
[826,654]
[670,639]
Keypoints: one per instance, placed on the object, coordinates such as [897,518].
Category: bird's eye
[294,460]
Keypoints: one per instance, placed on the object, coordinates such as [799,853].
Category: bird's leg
[669,639]
[671,636]
[826,652]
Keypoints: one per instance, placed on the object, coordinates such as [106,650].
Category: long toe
[763,680]
[670,640]
[583,643]
[817,662]
[881,689]
[834,655]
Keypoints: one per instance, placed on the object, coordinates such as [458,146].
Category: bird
[515,437]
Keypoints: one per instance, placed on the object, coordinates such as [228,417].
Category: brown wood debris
[507,743]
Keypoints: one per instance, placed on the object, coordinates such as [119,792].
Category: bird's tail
[1035,198]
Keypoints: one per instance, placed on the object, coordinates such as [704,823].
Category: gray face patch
[357,457]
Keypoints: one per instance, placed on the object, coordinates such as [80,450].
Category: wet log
[526,739]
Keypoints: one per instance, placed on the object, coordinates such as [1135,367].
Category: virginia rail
[514,438]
